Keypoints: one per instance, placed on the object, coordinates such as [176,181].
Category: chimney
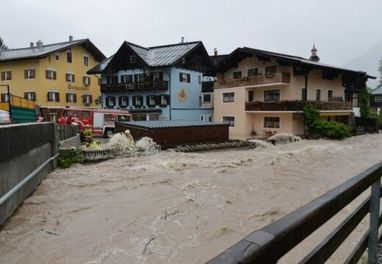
[70,38]
[215,52]
[182,40]
[39,44]
[32,45]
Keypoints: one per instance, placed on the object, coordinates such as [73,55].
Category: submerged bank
[176,207]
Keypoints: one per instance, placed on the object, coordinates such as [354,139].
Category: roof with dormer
[157,56]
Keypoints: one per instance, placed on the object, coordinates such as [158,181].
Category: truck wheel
[109,133]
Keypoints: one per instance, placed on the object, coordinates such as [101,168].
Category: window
[30,96]
[86,81]
[378,99]
[272,95]
[50,75]
[272,122]
[110,101]
[29,73]
[199,79]
[4,98]
[330,94]
[139,78]
[184,77]
[253,72]
[70,77]
[69,56]
[229,120]
[228,97]
[157,76]
[151,100]
[53,96]
[164,100]
[209,118]
[57,55]
[6,75]
[207,98]
[318,95]
[202,118]
[272,69]
[304,94]
[237,74]
[123,101]
[251,96]
[128,78]
[71,97]
[138,101]
[87,99]
[133,59]
[86,61]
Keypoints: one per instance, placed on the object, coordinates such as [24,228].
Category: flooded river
[179,208]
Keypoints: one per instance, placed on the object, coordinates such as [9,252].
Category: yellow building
[53,75]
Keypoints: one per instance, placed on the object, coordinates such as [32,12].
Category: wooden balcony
[275,78]
[139,86]
[297,105]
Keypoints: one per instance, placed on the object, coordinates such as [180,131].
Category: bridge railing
[67,131]
[273,241]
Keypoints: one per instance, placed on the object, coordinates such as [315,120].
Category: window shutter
[67,77]
[26,95]
[84,98]
[180,77]
[148,100]
[3,98]
[48,96]
[188,78]
[107,101]
[33,73]
[67,97]
[90,98]
[10,75]
[54,75]
[47,74]
[25,74]
[75,98]
[73,78]
[84,80]
[57,96]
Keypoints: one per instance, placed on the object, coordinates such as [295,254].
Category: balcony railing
[279,77]
[138,86]
[297,105]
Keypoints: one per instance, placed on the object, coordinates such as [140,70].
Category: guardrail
[67,131]
[273,241]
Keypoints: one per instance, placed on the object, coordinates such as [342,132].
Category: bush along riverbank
[316,127]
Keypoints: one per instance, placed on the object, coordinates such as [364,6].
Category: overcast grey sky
[341,29]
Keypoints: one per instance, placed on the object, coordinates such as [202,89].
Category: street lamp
[9,100]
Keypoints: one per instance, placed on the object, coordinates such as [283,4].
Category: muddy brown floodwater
[180,208]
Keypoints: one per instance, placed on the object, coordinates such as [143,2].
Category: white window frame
[55,99]
[271,117]
[51,74]
[29,75]
[231,123]
[70,78]
[184,78]
[210,118]
[152,100]
[87,96]
[6,97]
[124,100]
[229,99]
[7,77]
[87,83]
[28,95]
[71,98]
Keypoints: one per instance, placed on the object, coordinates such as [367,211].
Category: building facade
[260,93]
[158,83]
[52,75]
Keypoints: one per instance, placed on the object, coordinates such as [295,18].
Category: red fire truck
[100,121]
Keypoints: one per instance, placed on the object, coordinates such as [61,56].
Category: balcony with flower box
[262,79]
[135,86]
[297,105]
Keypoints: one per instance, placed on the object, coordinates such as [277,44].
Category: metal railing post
[374,219]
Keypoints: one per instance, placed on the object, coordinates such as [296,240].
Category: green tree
[2,44]
[364,101]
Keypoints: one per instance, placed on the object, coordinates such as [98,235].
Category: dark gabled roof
[157,56]
[39,52]
[240,53]
[216,59]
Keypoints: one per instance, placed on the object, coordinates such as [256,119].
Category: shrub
[69,157]
[323,128]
